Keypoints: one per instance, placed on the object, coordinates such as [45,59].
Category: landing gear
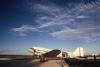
[43,59]
[62,65]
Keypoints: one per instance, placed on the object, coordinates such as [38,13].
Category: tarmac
[32,63]
[54,63]
[7,62]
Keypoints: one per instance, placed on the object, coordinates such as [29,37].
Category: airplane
[44,53]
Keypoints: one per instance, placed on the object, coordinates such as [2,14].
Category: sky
[54,24]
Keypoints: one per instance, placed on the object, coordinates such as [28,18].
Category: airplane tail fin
[78,52]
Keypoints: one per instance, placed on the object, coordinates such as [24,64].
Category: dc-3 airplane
[44,53]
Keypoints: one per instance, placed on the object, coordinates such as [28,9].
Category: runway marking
[5,59]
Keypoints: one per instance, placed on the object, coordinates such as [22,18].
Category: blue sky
[55,24]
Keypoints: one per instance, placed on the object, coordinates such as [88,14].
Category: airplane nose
[31,50]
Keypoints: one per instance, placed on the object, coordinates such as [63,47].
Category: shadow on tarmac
[83,63]
[18,63]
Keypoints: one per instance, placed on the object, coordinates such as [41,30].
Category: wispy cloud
[77,20]
[24,29]
[52,15]
[86,34]
[80,17]
[72,21]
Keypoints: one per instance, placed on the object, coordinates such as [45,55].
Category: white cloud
[50,9]
[52,15]
[82,17]
[47,25]
[68,33]
[24,29]
[79,22]
[86,34]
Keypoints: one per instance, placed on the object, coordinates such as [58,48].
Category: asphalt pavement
[32,63]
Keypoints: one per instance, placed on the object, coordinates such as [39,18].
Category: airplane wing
[44,51]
